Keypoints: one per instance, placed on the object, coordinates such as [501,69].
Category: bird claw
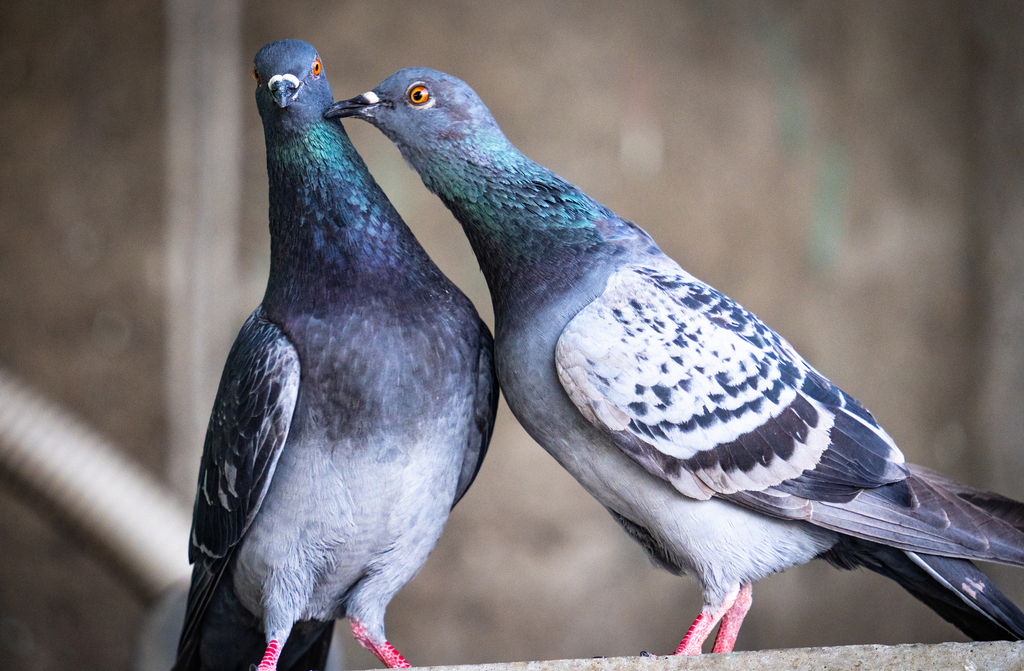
[644,653]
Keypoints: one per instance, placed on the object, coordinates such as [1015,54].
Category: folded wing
[701,393]
[248,429]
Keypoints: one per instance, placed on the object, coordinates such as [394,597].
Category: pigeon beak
[284,89]
[360,106]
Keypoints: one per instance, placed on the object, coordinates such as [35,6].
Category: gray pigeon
[702,431]
[354,410]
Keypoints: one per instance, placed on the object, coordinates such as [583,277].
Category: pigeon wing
[248,428]
[917,514]
[485,407]
[247,431]
[701,393]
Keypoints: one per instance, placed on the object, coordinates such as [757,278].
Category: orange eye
[255,74]
[317,67]
[419,94]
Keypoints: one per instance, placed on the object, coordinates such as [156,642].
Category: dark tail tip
[954,588]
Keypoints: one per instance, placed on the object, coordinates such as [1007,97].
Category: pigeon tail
[1005,509]
[954,588]
[316,656]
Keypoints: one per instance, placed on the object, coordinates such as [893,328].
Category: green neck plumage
[331,225]
[533,233]
[514,209]
[309,171]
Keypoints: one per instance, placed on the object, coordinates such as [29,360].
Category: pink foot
[699,630]
[269,661]
[732,620]
[383,650]
[731,613]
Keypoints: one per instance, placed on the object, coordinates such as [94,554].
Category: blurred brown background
[851,172]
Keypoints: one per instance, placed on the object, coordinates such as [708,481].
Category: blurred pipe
[95,487]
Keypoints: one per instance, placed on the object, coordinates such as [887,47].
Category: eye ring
[419,95]
[256,74]
[317,67]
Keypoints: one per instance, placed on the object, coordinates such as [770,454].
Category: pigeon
[354,410]
[702,431]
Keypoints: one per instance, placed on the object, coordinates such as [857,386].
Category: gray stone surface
[998,656]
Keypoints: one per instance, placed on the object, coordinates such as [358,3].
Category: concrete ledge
[998,656]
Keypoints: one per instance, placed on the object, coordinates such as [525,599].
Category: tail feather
[997,505]
[206,576]
[954,588]
[926,513]
[315,656]
[963,579]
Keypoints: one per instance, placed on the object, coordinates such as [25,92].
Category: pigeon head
[431,117]
[291,87]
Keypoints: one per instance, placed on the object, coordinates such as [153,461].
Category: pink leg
[699,630]
[702,626]
[732,620]
[384,652]
[269,661]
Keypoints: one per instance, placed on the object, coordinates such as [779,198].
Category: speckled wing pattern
[700,392]
[248,429]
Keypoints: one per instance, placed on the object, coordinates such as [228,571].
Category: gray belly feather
[339,505]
